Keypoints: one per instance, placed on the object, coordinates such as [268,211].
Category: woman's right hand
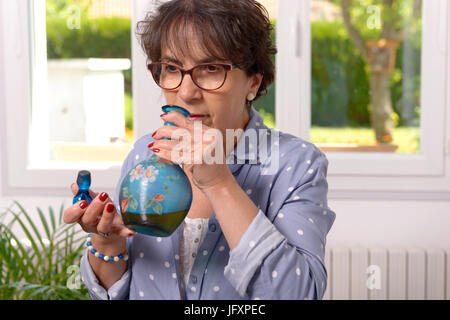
[100,216]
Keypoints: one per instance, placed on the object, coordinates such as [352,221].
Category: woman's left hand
[200,151]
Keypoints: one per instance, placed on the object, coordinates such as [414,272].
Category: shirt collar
[246,152]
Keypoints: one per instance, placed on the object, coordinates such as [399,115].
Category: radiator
[376,273]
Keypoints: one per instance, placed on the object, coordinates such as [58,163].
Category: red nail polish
[103,196]
[154,133]
[163,114]
[83,204]
[151,144]
[130,234]
[156,150]
[110,208]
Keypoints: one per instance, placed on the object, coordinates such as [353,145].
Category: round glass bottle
[156,195]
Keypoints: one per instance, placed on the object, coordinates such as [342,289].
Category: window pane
[365,89]
[266,104]
[88,46]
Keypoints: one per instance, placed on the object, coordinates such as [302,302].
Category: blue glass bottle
[155,195]
[83,182]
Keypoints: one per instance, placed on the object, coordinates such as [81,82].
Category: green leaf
[157,207]
[33,226]
[167,188]
[172,178]
[52,217]
[20,262]
[133,203]
[126,192]
[44,223]
[148,203]
[61,213]
[37,251]
[159,165]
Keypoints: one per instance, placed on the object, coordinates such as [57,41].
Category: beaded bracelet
[101,256]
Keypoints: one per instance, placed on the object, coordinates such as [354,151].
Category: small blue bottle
[169,108]
[84,182]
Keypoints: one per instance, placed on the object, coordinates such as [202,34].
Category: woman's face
[223,108]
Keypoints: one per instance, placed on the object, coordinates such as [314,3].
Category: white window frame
[350,175]
[22,52]
[377,175]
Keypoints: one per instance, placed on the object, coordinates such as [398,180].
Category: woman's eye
[212,68]
[171,69]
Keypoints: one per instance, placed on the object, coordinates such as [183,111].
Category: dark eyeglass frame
[228,67]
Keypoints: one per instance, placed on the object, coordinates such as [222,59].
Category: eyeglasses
[208,76]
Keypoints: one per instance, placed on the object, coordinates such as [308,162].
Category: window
[68,95]
[82,98]
[299,97]
[365,75]
[422,173]
[266,104]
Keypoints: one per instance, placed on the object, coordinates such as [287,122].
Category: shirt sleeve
[118,291]
[281,255]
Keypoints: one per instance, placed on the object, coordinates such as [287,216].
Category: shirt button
[194,279]
[212,227]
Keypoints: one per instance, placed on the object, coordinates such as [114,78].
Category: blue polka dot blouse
[281,254]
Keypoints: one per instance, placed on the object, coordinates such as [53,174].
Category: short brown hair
[236,30]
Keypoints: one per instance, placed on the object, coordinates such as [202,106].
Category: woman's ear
[255,83]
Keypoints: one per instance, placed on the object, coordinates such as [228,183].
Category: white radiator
[361,273]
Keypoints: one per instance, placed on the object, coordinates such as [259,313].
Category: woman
[250,233]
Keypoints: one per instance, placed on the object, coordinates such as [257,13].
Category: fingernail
[156,150]
[103,196]
[130,234]
[154,133]
[110,208]
[163,114]
[151,144]
[83,204]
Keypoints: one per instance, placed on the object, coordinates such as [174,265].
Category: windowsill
[77,151]
[353,147]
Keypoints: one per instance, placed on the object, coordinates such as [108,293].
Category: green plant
[268,118]
[128,111]
[96,37]
[39,266]
[340,79]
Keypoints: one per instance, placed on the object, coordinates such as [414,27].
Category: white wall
[367,223]
[391,223]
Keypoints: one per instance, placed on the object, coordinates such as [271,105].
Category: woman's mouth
[197,117]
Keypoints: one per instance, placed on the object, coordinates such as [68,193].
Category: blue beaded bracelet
[122,256]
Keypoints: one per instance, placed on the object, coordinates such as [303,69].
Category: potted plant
[41,266]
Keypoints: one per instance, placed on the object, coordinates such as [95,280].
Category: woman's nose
[188,89]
